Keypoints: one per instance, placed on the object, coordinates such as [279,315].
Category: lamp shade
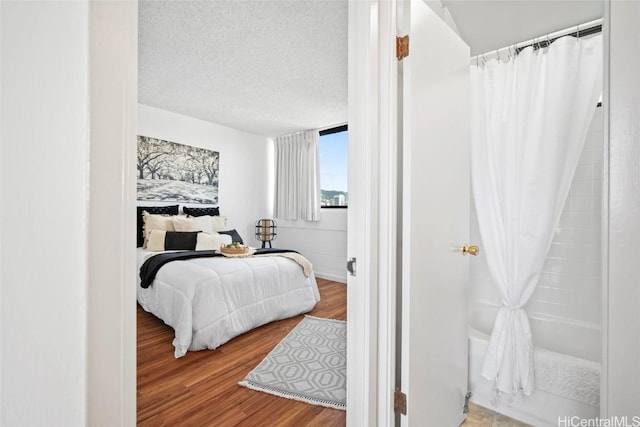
[266,231]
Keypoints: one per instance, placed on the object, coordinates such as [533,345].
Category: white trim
[332,277]
[388,210]
[362,289]
[372,218]
[1,225]
[111,295]
[311,227]
[622,349]
[604,229]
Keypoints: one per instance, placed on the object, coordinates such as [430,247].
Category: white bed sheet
[208,301]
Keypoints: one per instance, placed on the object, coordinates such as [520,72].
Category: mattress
[208,301]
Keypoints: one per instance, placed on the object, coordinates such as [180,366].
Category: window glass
[334,154]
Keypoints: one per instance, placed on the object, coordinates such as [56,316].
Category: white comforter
[208,301]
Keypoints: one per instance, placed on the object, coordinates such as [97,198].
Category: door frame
[373,130]
[372,213]
[372,238]
[112,103]
[619,390]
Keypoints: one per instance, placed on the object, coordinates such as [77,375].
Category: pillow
[201,223]
[161,240]
[218,223]
[155,222]
[155,241]
[201,211]
[177,240]
[164,210]
[211,242]
[235,237]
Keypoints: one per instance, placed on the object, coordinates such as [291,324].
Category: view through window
[334,155]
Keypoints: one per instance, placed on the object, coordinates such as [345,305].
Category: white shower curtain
[530,117]
[297,192]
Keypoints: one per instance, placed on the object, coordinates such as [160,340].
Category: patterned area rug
[309,364]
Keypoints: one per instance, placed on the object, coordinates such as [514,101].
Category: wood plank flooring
[201,388]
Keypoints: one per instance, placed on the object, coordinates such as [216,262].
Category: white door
[436,123]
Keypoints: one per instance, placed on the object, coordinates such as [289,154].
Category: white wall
[324,242]
[246,164]
[621,378]
[43,214]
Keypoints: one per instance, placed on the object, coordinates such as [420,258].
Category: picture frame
[173,172]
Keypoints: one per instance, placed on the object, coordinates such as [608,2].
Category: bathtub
[567,369]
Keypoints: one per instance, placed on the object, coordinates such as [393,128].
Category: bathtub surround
[529,122]
[566,385]
[563,311]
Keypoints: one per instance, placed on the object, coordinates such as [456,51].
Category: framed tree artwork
[173,172]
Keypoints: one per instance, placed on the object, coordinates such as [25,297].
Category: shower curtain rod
[582,30]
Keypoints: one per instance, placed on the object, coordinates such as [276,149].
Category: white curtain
[297,193]
[530,117]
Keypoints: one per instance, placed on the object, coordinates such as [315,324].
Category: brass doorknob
[470,249]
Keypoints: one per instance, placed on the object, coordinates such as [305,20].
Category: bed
[210,300]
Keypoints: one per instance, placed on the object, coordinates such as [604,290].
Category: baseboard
[332,277]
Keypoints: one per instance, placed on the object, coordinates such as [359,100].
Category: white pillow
[213,241]
[155,242]
[218,223]
[200,223]
[156,222]
[182,223]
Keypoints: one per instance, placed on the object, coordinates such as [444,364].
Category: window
[334,160]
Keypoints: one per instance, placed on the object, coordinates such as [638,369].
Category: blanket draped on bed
[150,268]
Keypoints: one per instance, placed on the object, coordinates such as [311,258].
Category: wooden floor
[201,388]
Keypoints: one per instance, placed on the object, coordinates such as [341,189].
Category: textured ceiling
[274,67]
[269,67]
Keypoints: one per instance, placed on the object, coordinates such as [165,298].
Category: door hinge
[399,402]
[402,47]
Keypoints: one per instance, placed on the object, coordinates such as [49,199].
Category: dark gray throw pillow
[180,240]
[201,211]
